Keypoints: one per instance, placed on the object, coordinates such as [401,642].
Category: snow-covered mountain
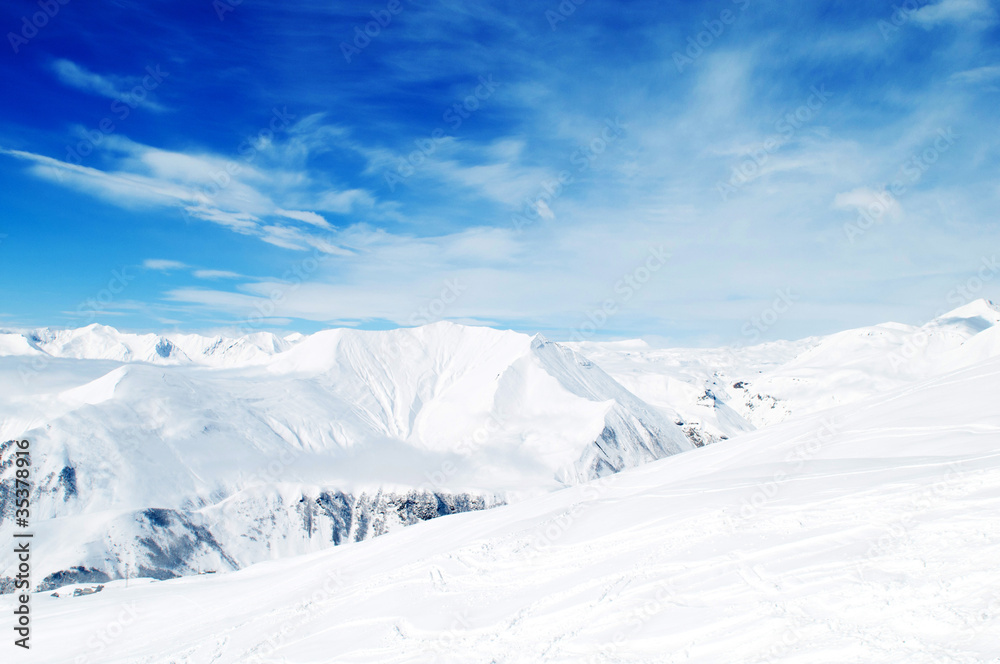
[170,454]
[727,390]
[864,533]
[195,460]
[100,342]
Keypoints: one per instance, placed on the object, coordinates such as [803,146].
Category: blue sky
[693,172]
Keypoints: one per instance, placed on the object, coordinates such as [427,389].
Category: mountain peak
[539,340]
[981,308]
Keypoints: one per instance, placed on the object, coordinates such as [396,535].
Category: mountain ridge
[225,435]
[477,414]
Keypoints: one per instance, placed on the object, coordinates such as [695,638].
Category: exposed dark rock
[67,479]
[164,348]
[65,577]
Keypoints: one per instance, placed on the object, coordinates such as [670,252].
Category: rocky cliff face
[249,527]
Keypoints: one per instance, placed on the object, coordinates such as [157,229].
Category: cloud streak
[163,264]
[133,90]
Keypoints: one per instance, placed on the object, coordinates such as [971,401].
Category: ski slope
[868,533]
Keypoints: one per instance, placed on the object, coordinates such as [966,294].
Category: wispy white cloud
[342,202]
[163,264]
[243,197]
[305,216]
[977,75]
[955,11]
[285,237]
[111,87]
[76,76]
[123,188]
[869,201]
[544,211]
[217,274]
[239,222]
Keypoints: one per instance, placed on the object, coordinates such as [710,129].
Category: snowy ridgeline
[172,454]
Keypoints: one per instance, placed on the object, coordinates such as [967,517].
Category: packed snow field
[836,499]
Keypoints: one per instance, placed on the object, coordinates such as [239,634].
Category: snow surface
[867,533]
[787,535]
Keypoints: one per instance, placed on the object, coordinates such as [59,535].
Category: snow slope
[863,534]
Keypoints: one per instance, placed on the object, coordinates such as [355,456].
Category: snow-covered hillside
[863,534]
[343,435]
